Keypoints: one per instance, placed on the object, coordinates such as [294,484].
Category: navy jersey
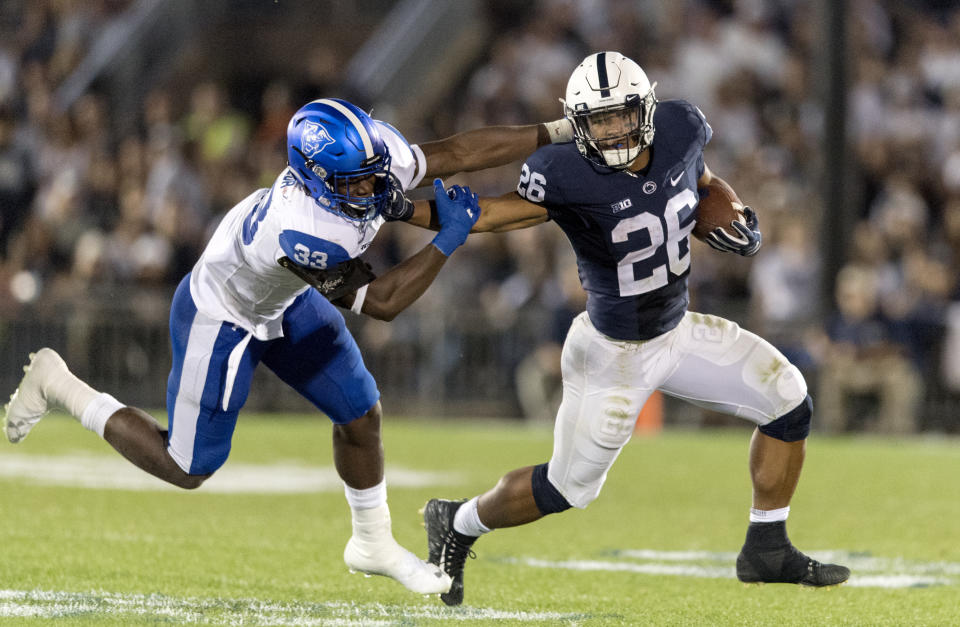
[630,231]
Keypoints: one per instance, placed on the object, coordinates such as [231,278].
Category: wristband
[560,131]
[361,295]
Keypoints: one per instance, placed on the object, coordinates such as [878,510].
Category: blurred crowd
[85,207]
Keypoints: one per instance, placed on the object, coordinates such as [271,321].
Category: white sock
[366,498]
[467,519]
[98,410]
[372,525]
[369,512]
[769,515]
[69,392]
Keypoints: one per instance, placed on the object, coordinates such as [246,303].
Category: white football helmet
[611,103]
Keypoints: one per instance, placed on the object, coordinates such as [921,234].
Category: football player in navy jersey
[625,192]
[249,299]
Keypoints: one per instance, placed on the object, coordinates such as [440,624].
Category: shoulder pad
[682,120]
[403,162]
[546,173]
[391,128]
[684,127]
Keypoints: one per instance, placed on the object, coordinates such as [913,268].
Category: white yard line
[50,604]
[867,571]
[115,473]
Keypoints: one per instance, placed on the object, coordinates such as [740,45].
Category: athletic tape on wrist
[561,131]
[359,298]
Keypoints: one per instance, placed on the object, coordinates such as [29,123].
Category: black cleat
[447,548]
[768,557]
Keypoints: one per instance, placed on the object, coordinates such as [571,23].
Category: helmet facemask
[614,135]
[358,195]
[361,194]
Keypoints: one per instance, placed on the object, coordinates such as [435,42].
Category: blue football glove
[457,210]
[746,241]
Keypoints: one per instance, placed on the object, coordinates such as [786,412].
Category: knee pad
[793,425]
[548,498]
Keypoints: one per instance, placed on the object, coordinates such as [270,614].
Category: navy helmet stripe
[602,74]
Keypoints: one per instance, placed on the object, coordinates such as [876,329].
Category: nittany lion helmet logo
[315,138]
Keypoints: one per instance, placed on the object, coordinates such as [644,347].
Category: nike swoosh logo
[673,182]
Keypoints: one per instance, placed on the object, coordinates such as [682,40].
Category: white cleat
[28,404]
[386,557]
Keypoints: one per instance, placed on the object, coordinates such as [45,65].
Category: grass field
[91,541]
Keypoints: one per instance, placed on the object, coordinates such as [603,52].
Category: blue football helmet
[336,153]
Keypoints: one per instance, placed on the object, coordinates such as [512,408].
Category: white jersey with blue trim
[238,279]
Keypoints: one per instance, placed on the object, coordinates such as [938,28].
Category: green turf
[84,556]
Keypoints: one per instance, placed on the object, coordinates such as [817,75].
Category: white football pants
[706,360]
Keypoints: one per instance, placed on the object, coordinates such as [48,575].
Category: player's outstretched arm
[400,287]
[501,213]
[490,147]
[507,213]
[397,289]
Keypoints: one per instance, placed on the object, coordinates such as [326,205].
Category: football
[718,207]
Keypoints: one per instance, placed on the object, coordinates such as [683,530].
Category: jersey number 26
[531,185]
[635,262]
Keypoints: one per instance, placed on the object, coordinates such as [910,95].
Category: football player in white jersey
[625,192]
[251,299]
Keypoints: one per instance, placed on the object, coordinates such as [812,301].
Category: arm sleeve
[310,251]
